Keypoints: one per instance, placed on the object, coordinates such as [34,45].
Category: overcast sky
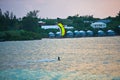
[62,8]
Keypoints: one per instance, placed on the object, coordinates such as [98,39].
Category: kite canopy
[62,29]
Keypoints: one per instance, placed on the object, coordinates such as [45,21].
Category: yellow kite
[62,29]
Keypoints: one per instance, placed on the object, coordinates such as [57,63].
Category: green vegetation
[28,28]
[19,35]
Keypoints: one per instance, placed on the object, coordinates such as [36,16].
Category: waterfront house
[98,25]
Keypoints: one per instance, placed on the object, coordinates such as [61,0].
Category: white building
[119,26]
[51,35]
[41,22]
[98,25]
[69,34]
[110,33]
[55,27]
[82,33]
[89,33]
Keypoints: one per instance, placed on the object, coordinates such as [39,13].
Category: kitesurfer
[58,58]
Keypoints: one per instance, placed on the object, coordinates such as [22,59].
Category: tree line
[28,28]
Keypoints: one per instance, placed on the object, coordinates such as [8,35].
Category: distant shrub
[30,35]
[19,35]
[12,35]
[2,36]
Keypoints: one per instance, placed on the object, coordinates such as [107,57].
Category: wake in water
[27,62]
[42,60]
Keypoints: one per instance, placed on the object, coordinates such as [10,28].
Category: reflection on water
[81,58]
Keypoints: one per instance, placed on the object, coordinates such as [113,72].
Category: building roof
[55,27]
[98,23]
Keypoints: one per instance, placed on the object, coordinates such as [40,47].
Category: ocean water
[92,58]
